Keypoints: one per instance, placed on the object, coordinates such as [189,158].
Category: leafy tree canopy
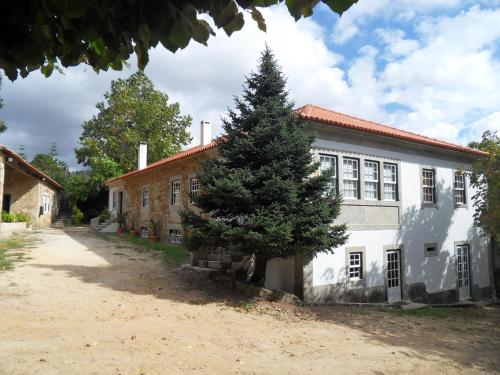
[485,177]
[264,196]
[134,112]
[39,34]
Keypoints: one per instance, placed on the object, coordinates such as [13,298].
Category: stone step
[215,264]
[220,257]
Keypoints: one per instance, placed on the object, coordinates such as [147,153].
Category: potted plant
[133,232]
[121,219]
[154,230]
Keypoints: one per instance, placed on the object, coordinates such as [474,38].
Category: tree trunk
[259,275]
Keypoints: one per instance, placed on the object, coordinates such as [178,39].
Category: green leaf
[257,17]
[339,6]
[235,25]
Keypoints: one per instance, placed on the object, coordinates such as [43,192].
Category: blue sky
[431,67]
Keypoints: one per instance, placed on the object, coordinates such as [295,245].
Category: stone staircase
[219,259]
[105,226]
[63,219]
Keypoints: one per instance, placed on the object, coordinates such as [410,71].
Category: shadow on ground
[471,338]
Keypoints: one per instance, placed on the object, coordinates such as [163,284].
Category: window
[428,186]
[144,231]
[390,182]
[329,163]
[430,249]
[46,203]
[355,269]
[371,180]
[194,186]
[145,196]
[459,188]
[115,199]
[175,236]
[351,178]
[176,192]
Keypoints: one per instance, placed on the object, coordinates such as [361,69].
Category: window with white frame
[459,191]
[355,266]
[46,203]
[428,186]
[115,199]
[390,182]
[175,236]
[144,231]
[194,186]
[328,163]
[351,178]
[176,192]
[371,180]
[145,196]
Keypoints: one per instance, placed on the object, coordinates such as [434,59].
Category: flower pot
[154,239]
[120,230]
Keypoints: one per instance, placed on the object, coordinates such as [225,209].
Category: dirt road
[86,305]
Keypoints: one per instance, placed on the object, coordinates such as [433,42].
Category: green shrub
[8,217]
[104,216]
[76,215]
[22,218]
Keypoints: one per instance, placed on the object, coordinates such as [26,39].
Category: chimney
[206,133]
[143,155]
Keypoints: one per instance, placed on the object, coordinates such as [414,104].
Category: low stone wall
[7,229]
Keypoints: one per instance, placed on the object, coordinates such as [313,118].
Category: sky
[427,66]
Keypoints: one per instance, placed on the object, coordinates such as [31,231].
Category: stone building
[25,189]
[406,201]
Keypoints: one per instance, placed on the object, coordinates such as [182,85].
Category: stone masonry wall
[26,196]
[159,181]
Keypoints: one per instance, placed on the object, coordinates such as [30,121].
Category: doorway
[393,275]
[463,272]
[6,203]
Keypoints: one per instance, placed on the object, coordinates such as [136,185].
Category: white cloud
[444,80]
[452,79]
[351,22]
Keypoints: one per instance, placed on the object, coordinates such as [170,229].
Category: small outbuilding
[26,190]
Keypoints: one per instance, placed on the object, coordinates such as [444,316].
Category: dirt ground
[82,304]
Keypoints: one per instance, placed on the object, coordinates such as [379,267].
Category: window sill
[429,205]
[364,202]
[356,283]
[461,205]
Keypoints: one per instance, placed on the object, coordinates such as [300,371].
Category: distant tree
[53,150]
[3,127]
[22,152]
[134,112]
[485,177]
[104,34]
[264,196]
[52,166]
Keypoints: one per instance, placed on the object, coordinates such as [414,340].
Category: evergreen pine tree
[22,152]
[53,150]
[264,196]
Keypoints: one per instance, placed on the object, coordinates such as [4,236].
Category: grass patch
[441,312]
[173,254]
[7,256]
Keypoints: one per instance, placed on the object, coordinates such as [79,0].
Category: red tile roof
[180,155]
[9,153]
[326,116]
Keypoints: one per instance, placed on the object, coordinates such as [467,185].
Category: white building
[408,207]
[407,204]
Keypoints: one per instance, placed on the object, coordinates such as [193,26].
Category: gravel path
[82,304]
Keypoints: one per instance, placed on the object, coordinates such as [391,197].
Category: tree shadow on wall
[427,277]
